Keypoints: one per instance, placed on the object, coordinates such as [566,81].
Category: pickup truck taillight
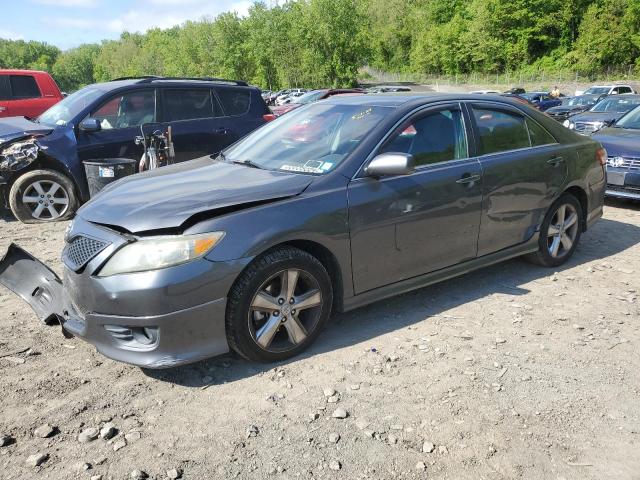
[601,156]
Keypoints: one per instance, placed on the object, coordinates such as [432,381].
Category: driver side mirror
[90,125]
[387,164]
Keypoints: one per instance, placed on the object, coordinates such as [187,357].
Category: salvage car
[42,176]
[27,93]
[622,142]
[542,100]
[335,205]
[314,96]
[602,114]
[572,106]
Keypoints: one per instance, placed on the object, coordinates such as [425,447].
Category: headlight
[566,123]
[19,155]
[153,253]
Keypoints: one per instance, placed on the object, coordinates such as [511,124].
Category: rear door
[243,110]
[120,117]
[406,226]
[195,117]
[26,98]
[5,96]
[523,170]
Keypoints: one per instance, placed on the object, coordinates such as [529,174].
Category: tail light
[268,117]
[601,156]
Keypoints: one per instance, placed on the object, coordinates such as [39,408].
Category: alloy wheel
[562,230]
[285,310]
[46,199]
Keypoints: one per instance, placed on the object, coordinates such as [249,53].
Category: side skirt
[427,279]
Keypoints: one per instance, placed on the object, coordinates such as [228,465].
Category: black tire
[544,256]
[26,212]
[240,317]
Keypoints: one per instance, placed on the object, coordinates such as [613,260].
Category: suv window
[186,104]
[500,131]
[235,101]
[433,138]
[5,91]
[539,136]
[127,110]
[24,86]
[624,90]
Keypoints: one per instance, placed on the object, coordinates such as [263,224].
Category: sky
[69,23]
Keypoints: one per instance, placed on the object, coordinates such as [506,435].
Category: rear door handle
[468,178]
[555,161]
[221,131]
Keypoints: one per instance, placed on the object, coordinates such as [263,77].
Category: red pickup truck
[27,93]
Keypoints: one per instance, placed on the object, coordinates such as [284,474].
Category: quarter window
[24,86]
[235,101]
[433,138]
[500,131]
[184,104]
[539,136]
[127,110]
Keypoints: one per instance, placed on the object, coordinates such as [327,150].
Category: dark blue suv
[42,176]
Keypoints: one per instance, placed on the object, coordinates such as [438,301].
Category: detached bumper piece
[34,282]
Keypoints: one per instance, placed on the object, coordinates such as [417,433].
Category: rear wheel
[42,196]
[560,232]
[278,306]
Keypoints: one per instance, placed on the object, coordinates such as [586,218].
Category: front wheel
[560,232]
[278,305]
[42,196]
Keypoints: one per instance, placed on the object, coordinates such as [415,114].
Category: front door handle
[555,161]
[468,178]
[2,109]
[221,131]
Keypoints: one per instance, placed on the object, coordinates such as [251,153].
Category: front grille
[630,163]
[586,128]
[80,250]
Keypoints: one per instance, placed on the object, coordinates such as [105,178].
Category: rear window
[187,104]
[500,131]
[5,91]
[235,101]
[24,86]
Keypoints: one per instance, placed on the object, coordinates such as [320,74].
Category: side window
[186,104]
[235,101]
[615,90]
[539,136]
[24,86]
[433,138]
[5,91]
[500,131]
[127,110]
[624,89]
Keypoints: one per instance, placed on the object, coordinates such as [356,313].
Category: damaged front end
[34,282]
[20,154]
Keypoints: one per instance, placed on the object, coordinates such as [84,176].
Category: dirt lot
[514,371]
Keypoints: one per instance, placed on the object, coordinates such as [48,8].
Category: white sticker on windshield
[326,166]
[301,168]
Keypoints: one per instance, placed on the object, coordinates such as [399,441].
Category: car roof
[405,99]
[159,81]
[627,96]
[19,71]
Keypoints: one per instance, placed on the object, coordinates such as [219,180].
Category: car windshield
[630,120]
[618,104]
[597,90]
[67,109]
[577,101]
[310,97]
[311,140]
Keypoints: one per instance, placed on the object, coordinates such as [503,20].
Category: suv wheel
[560,232]
[278,306]
[42,196]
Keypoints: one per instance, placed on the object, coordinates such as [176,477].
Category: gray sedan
[335,205]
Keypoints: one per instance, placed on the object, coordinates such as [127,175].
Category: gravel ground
[513,371]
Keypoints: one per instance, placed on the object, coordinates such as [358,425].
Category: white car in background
[606,90]
[486,92]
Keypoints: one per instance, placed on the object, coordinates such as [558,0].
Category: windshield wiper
[248,163]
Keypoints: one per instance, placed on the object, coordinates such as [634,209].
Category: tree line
[317,43]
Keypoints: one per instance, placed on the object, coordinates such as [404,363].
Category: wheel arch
[582,197]
[47,162]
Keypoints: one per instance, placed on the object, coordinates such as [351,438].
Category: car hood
[15,128]
[596,116]
[168,197]
[624,142]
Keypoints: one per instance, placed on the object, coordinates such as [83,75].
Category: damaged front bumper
[156,319]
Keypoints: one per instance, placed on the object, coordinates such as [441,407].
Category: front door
[406,226]
[519,182]
[120,118]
